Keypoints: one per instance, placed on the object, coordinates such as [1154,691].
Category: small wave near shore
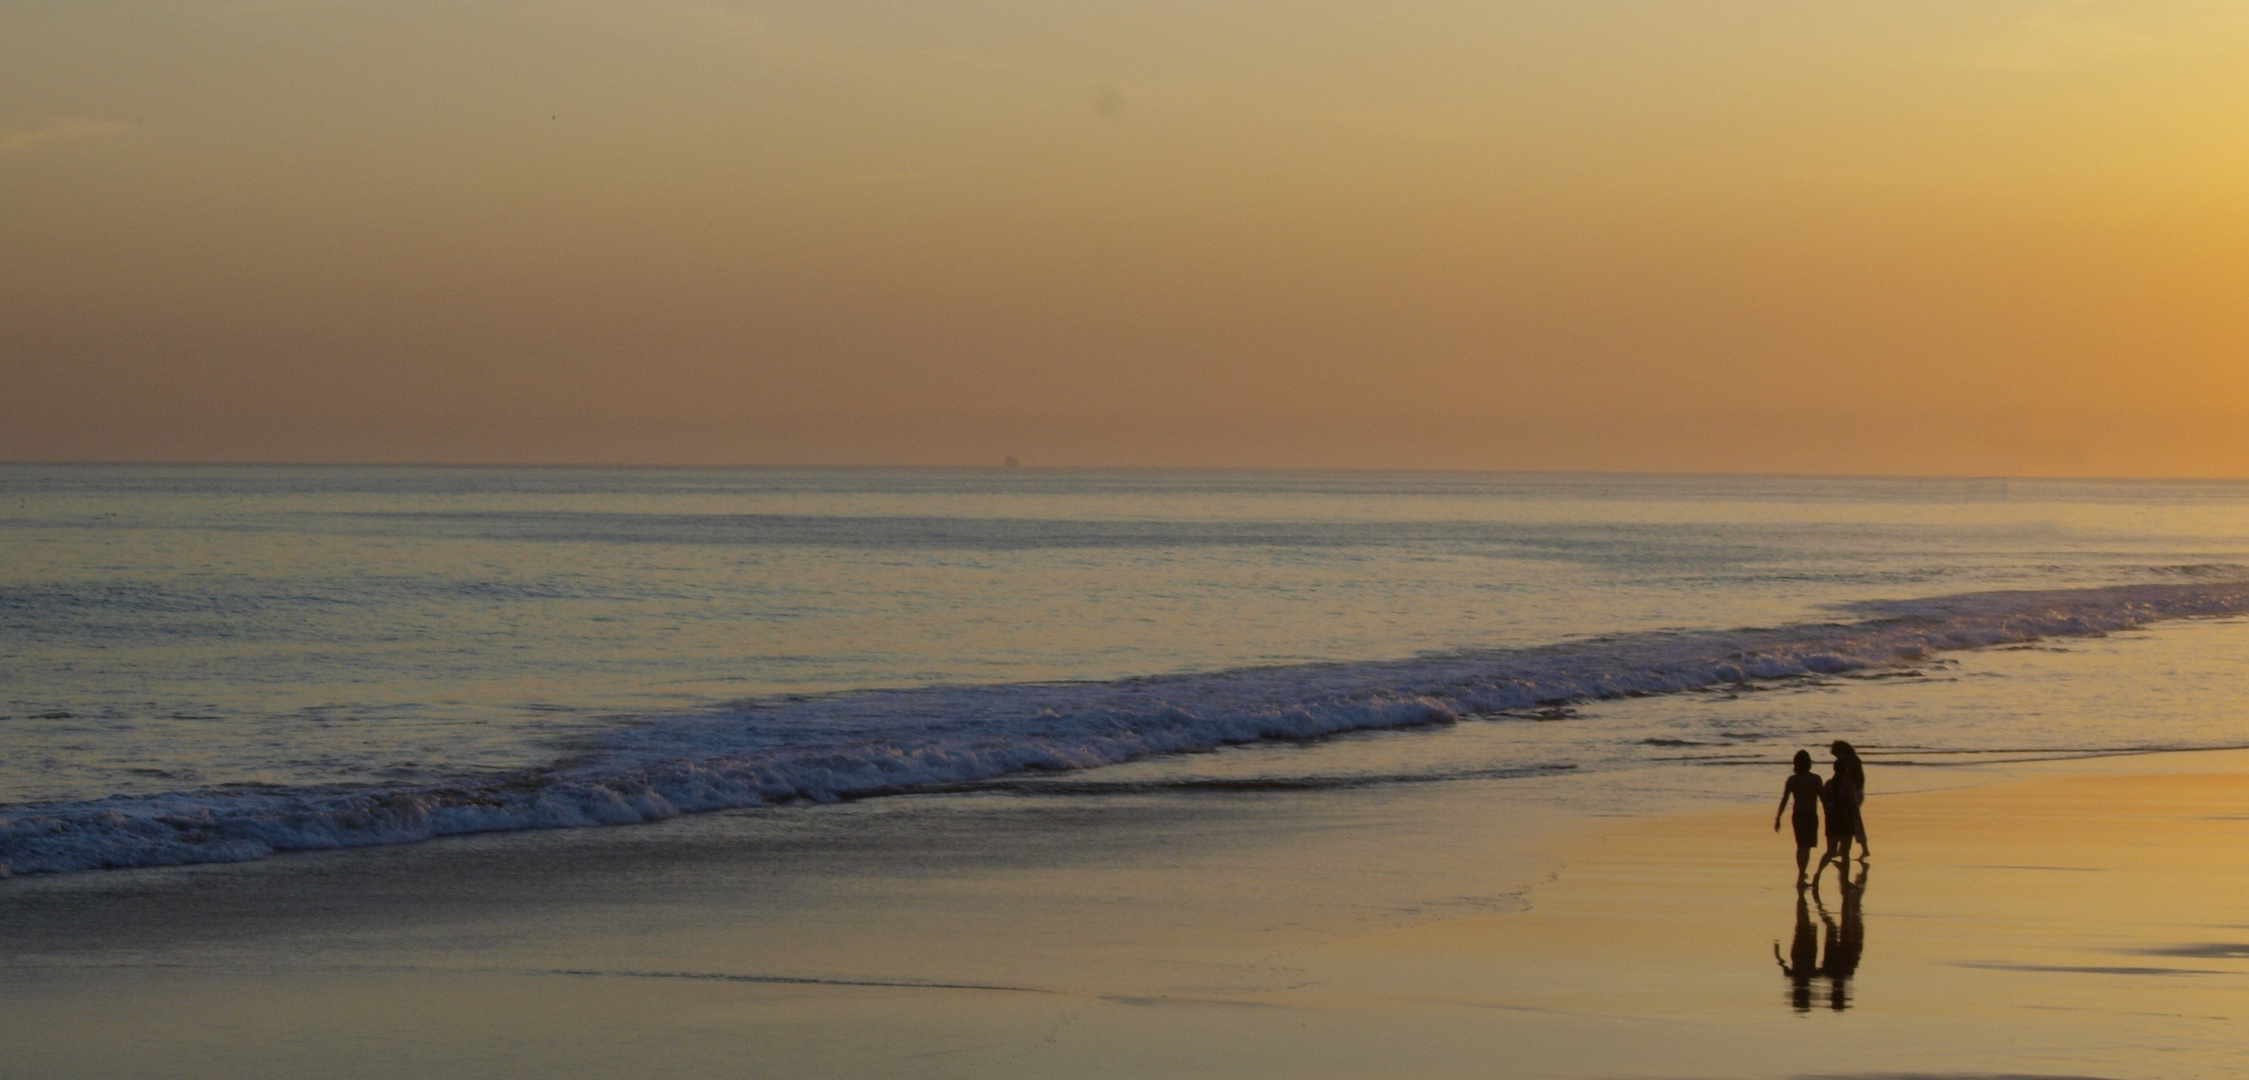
[868,743]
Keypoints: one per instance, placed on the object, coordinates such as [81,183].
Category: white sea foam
[859,744]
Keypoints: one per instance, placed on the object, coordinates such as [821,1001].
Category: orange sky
[2004,237]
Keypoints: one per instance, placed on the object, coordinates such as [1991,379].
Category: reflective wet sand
[2078,918]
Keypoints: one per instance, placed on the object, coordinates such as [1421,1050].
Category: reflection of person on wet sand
[1804,787]
[1844,942]
[1803,957]
[1847,762]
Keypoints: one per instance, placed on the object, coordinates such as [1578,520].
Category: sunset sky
[1902,237]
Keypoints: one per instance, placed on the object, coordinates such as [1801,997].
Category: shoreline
[880,743]
[1434,931]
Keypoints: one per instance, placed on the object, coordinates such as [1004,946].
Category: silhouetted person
[1803,957]
[1804,787]
[1847,761]
[1841,799]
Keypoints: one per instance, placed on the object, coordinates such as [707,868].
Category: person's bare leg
[1803,860]
[1839,853]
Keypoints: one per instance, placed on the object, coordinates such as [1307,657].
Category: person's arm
[1786,790]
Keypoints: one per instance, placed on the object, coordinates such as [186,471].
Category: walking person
[1804,787]
[1841,800]
[1847,762]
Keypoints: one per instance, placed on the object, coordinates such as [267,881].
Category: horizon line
[1021,467]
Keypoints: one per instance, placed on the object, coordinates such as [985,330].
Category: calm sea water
[219,663]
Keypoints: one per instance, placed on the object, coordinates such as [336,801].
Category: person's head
[1842,749]
[1803,761]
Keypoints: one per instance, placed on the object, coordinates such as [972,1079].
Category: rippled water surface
[289,634]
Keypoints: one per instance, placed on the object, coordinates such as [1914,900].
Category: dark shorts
[1807,830]
[1841,826]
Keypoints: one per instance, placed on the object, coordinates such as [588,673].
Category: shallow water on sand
[1251,911]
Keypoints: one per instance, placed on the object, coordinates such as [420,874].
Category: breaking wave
[867,743]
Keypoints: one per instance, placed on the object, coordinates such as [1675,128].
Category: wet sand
[2084,919]
[2063,925]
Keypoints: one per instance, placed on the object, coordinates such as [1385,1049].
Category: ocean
[219,664]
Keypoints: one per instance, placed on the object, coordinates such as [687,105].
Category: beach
[710,538]
[2067,923]
[369,773]
[2077,918]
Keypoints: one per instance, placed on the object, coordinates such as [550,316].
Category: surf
[862,744]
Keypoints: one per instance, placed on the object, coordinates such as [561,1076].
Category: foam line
[866,743]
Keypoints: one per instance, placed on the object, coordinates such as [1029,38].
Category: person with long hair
[1847,764]
[1840,798]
